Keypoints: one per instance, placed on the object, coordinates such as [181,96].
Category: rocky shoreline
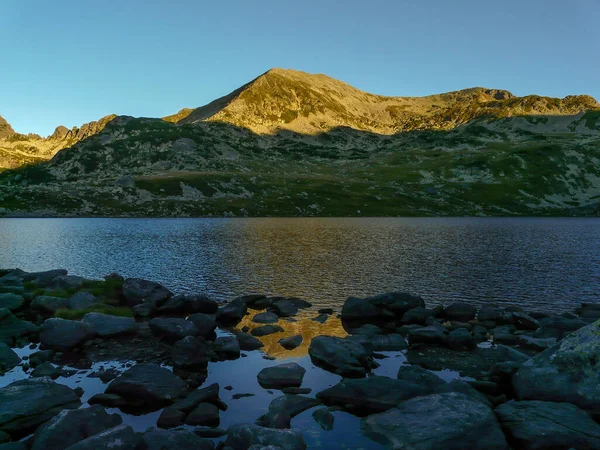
[524,380]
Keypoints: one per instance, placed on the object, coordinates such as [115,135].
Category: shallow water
[538,263]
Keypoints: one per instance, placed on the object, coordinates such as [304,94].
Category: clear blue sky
[72,61]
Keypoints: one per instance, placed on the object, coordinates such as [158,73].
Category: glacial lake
[544,264]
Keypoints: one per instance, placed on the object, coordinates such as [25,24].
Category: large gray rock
[248,342]
[227,347]
[205,414]
[11,301]
[45,278]
[62,334]
[71,426]
[148,385]
[82,300]
[242,437]
[281,376]
[430,335]
[209,394]
[172,329]
[568,372]
[12,328]
[191,353]
[28,403]
[121,437]
[290,343]
[340,356]
[206,324]
[449,421]
[232,312]
[378,394]
[137,291]
[533,425]
[175,440]
[382,307]
[265,317]
[284,308]
[183,304]
[282,409]
[105,325]
[8,358]
[48,304]
[460,312]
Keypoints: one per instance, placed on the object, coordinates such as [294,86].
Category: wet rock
[192,353]
[209,394]
[265,302]
[206,325]
[64,335]
[29,403]
[250,299]
[266,330]
[11,302]
[137,291]
[148,385]
[170,418]
[465,388]
[388,343]
[8,358]
[281,376]
[417,316]
[46,369]
[532,425]
[536,344]
[377,394]
[232,312]
[105,325]
[284,308]
[451,421]
[265,317]
[105,375]
[382,307]
[321,318]
[430,335]
[282,409]
[558,327]
[175,440]
[73,425]
[525,322]
[300,303]
[184,304]
[324,418]
[460,339]
[248,342]
[568,372]
[461,312]
[210,432]
[242,437]
[505,335]
[490,313]
[36,358]
[291,342]
[296,390]
[121,437]
[110,400]
[49,305]
[172,329]
[82,300]
[205,414]
[238,396]
[13,446]
[328,311]
[340,356]
[227,347]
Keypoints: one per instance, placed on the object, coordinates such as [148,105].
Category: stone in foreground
[281,376]
[121,437]
[449,421]
[175,440]
[532,425]
[242,437]
[64,335]
[105,325]
[8,358]
[28,403]
[340,356]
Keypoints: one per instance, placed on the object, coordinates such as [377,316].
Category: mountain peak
[5,129]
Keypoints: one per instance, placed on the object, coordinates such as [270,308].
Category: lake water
[539,264]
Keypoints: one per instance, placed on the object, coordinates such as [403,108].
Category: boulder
[170,417]
[490,313]
[290,343]
[45,278]
[382,307]
[232,312]
[461,312]
[205,414]
[265,317]
[39,357]
[457,385]
[248,342]
[71,426]
[137,291]
[430,335]
[284,308]
[227,347]
[209,394]
[324,418]
[12,328]
[172,329]
[449,421]
[82,300]
[192,353]
[189,304]
[13,446]
[533,425]
[525,322]
[121,437]
[29,403]
[175,440]
[64,335]
[282,409]
[266,330]
[388,343]
[242,437]
[148,385]
[8,358]
[558,327]
[321,318]
[11,302]
[69,282]
[206,324]
[281,376]
[377,394]
[48,304]
[417,315]
[106,326]
[568,372]
[340,356]
[46,369]
[460,339]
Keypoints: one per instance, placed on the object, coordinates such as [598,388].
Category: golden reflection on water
[303,326]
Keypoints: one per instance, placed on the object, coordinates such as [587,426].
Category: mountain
[294,144]
[17,149]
